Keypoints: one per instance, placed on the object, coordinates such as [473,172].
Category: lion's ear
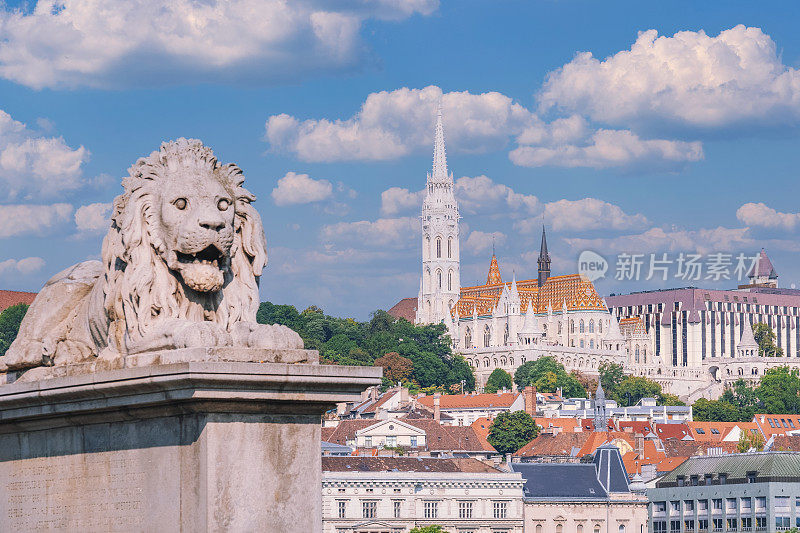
[254,243]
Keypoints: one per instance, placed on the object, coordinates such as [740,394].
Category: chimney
[529,395]
[640,445]
[437,413]
[403,395]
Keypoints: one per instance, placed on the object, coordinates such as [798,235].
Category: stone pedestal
[170,442]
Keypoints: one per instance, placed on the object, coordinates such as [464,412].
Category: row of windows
[369,509]
[450,246]
[578,528]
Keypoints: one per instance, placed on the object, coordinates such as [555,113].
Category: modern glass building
[738,492]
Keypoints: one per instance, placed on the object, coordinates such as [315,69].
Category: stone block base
[185,446]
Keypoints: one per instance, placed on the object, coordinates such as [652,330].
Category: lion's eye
[180,203]
[223,204]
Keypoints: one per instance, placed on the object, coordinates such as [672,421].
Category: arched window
[591,343]
[468,339]
[559,528]
[572,326]
[511,361]
[591,326]
[450,281]
[505,335]
[622,528]
[582,343]
[486,363]
[538,528]
[600,326]
[580,326]
[597,528]
[450,248]
[427,251]
[559,327]
[438,247]
[487,337]
[439,278]
[579,529]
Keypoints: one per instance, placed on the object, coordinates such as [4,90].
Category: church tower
[544,261]
[440,286]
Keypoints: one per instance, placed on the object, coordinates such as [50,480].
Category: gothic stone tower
[544,261]
[440,286]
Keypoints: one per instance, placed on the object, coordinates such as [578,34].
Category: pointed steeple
[439,172]
[544,261]
[494,272]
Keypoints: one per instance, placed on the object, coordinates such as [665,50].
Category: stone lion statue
[180,268]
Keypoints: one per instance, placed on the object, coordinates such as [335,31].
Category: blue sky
[682,139]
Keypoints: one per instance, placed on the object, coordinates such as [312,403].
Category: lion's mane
[139,289]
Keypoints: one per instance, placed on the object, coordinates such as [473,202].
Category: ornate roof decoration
[494,273]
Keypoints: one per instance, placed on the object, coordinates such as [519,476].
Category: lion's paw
[201,335]
[274,336]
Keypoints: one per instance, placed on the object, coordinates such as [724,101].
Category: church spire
[494,272]
[544,260]
[439,172]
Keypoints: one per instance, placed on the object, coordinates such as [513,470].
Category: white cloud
[104,43]
[482,194]
[704,240]
[93,218]
[28,265]
[393,124]
[29,219]
[479,241]
[759,214]
[36,166]
[689,79]
[606,148]
[296,189]
[398,200]
[389,232]
[582,215]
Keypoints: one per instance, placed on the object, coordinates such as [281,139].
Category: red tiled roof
[716,431]
[668,464]
[781,423]
[567,425]
[471,401]
[786,443]
[346,430]
[9,298]
[673,431]
[405,308]
[547,444]
[689,448]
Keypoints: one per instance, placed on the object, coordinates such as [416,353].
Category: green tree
[511,431]
[10,320]
[499,379]
[532,373]
[743,397]
[611,375]
[779,391]
[632,389]
[749,440]
[765,338]
[669,399]
[429,529]
[714,411]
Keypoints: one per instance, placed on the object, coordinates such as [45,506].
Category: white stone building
[440,284]
[395,494]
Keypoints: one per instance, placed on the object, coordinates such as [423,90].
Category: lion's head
[184,243]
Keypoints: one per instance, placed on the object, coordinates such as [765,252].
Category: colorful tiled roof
[716,431]
[674,431]
[494,273]
[575,290]
[562,444]
[9,298]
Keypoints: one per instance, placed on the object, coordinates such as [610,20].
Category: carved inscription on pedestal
[94,492]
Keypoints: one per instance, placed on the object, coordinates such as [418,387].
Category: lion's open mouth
[208,256]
